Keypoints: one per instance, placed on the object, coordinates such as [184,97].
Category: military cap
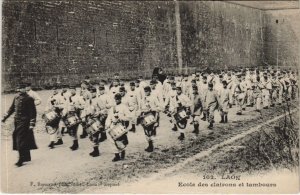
[21,85]
[92,89]
[147,88]
[122,89]
[118,96]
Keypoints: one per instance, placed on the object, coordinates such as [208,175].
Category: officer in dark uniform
[25,118]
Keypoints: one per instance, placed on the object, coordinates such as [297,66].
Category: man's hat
[210,84]
[101,88]
[132,83]
[147,88]
[152,82]
[118,96]
[224,82]
[195,87]
[122,89]
[93,90]
[21,85]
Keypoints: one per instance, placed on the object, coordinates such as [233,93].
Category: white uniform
[35,96]
[132,100]
[117,115]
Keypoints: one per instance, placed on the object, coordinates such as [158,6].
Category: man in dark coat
[157,71]
[25,117]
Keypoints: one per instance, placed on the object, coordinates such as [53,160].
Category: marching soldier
[133,102]
[211,102]
[257,94]
[267,87]
[203,87]
[224,102]
[181,105]
[117,126]
[149,113]
[25,117]
[196,108]
[93,124]
[74,105]
[104,103]
[240,96]
[52,117]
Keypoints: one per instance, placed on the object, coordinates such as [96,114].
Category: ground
[61,170]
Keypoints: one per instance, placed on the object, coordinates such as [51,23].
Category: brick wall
[46,42]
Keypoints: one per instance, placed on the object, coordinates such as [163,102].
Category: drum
[72,120]
[117,131]
[51,117]
[93,126]
[181,115]
[148,120]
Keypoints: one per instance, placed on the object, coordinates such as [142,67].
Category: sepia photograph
[150,97]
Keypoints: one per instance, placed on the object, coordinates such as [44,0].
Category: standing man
[25,118]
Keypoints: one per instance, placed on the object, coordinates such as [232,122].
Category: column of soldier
[117,109]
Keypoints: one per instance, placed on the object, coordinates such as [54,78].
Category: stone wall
[49,42]
[282,40]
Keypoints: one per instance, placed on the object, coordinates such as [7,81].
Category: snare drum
[181,115]
[93,126]
[50,117]
[117,131]
[72,120]
[148,120]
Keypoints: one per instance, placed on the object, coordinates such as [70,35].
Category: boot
[117,157]
[75,145]
[225,119]
[196,129]
[239,113]
[26,156]
[123,155]
[84,134]
[150,147]
[181,137]
[51,145]
[230,105]
[19,163]
[103,136]
[174,128]
[154,131]
[133,128]
[59,142]
[62,131]
[222,119]
[96,152]
[210,126]
[243,108]
[204,117]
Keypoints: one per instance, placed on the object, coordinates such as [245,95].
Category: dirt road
[63,171]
